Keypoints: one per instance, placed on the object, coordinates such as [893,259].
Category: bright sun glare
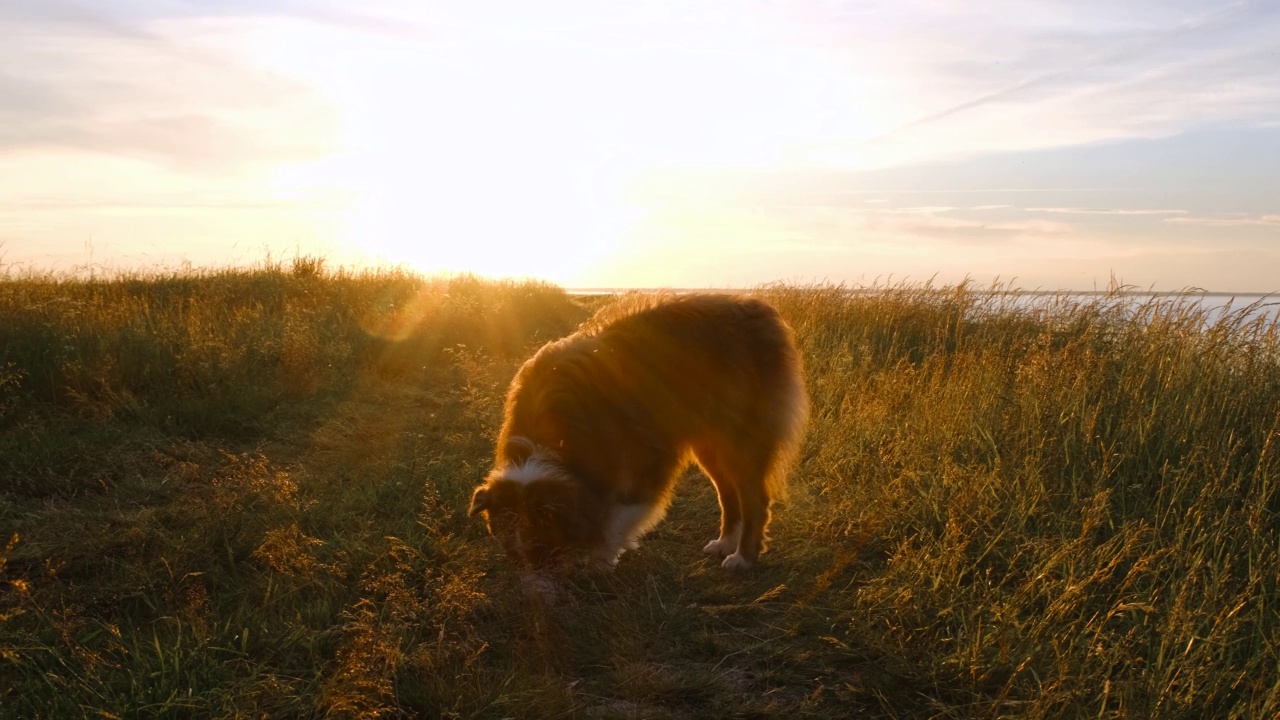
[477,163]
[514,152]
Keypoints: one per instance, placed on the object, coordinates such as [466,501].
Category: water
[1247,307]
[1215,305]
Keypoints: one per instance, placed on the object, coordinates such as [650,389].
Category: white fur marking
[627,523]
[533,469]
[735,562]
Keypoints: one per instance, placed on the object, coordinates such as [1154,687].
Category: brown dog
[599,424]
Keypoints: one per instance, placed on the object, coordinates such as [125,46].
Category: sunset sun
[507,152]
[477,163]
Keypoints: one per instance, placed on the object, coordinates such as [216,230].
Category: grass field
[244,493]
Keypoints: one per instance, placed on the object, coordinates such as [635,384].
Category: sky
[1060,144]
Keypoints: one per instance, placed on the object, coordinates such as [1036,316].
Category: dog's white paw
[720,547]
[542,586]
[605,560]
[735,562]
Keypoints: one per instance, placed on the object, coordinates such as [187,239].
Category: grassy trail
[245,494]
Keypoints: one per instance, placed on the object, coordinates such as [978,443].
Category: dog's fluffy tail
[791,416]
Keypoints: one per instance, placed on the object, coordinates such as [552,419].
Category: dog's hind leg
[748,474]
[754,499]
[710,459]
[762,455]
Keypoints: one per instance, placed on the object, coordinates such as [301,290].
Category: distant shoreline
[1039,293]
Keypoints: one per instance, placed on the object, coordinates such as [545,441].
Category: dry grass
[244,493]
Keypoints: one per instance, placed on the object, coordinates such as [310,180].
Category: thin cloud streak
[1129,50]
[1112,211]
[1269,221]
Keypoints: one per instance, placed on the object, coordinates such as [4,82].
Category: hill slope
[245,493]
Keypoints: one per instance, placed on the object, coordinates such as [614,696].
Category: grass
[244,493]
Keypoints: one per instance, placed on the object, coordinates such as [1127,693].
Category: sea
[1242,308]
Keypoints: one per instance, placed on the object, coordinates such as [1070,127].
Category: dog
[598,426]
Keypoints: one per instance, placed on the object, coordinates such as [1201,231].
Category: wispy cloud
[1108,211]
[933,225]
[1270,221]
[1140,47]
[921,210]
[1013,76]
[135,84]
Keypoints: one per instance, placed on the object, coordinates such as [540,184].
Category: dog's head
[534,505]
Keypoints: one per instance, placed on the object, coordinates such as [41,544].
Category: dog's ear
[480,501]
[518,449]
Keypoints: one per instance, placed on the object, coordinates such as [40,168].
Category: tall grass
[1066,506]
[244,492]
[227,352]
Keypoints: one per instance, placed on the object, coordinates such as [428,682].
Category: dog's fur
[599,424]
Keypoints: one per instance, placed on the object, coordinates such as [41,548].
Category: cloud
[140,87]
[1111,211]
[1094,59]
[931,225]
[922,210]
[1269,221]
[968,78]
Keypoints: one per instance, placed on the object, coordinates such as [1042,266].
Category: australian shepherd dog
[599,425]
